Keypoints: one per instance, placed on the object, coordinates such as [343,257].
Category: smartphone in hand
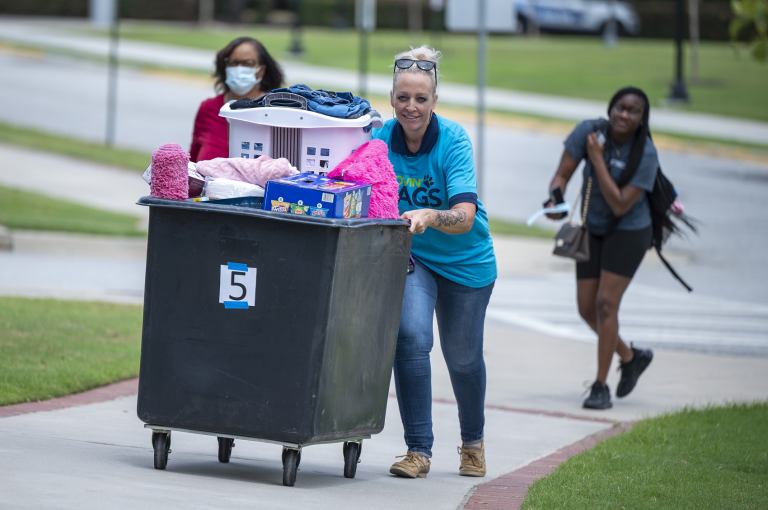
[556,198]
[556,195]
[600,137]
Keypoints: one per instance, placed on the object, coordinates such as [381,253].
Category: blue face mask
[240,80]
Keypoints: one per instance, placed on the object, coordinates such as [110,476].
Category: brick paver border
[508,491]
[101,394]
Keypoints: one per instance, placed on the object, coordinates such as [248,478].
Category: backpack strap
[602,125]
[674,273]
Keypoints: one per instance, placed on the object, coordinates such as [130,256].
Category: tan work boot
[472,459]
[413,466]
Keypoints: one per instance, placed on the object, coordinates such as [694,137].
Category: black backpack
[660,200]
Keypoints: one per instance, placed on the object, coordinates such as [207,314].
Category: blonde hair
[420,53]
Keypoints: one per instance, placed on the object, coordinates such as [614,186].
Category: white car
[576,16]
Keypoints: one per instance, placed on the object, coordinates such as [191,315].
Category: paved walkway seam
[550,414]
[508,491]
[131,387]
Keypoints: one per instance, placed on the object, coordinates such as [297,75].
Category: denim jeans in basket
[343,105]
[460,318]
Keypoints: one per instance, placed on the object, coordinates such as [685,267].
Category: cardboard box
[316,195]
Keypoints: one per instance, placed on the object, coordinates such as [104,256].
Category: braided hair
[641,134]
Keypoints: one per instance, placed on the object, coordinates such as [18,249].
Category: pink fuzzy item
[370,164]
[169,172]
[255,171]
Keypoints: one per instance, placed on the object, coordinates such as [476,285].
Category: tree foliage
[751,15]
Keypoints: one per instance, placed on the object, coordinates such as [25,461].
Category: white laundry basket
[310,141]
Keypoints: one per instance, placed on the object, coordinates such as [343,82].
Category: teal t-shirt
[429,179]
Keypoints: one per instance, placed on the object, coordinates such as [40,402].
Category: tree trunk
[205,13]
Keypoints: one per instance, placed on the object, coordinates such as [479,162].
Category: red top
[210,139]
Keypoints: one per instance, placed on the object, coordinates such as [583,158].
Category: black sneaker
[631,371]
[599,398]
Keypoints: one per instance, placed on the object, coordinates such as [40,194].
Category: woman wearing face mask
[617,175]
[455,265]
[243,69]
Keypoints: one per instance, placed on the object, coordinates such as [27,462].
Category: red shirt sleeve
[210,136]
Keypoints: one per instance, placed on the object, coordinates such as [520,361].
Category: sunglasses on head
[424,65]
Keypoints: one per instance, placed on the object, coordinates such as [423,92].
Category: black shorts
[619,252]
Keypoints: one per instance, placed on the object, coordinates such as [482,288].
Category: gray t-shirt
[599,214]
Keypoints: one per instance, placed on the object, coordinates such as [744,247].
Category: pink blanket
[370,164]
[256,171]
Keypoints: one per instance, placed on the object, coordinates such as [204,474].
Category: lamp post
[437,7]
[362,85]
[482,44]
[296,48]
[365,20]
[114,34]
[679,94]
[611,30]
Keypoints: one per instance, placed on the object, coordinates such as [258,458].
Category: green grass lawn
[132,160]
[730,83]
[509,228]
[51,348]
[30,211]
[714,458]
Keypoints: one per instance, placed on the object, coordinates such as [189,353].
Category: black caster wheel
[161,442]
[225,448]
[291,460]
[298,463]
[352,451]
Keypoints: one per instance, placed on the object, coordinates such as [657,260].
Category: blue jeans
[343,105]
[460,319]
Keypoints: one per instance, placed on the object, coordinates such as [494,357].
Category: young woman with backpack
[619,173]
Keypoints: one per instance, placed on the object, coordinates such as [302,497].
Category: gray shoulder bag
[572,240]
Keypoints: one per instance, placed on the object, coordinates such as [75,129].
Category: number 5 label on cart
[237,288]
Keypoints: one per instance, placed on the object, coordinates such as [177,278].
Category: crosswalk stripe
[648,315]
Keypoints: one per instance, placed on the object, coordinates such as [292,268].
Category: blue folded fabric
[342,105]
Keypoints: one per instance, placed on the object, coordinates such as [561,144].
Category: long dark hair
[273,75]
[643,132]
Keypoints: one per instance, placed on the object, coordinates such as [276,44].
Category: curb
[508,491]
[101,394]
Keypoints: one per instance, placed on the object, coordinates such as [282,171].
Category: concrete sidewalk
[54,35]
[99,455]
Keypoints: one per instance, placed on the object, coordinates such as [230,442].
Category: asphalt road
[68,96]
[71,35]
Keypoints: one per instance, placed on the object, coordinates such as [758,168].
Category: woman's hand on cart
[420,219]
[455,221]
